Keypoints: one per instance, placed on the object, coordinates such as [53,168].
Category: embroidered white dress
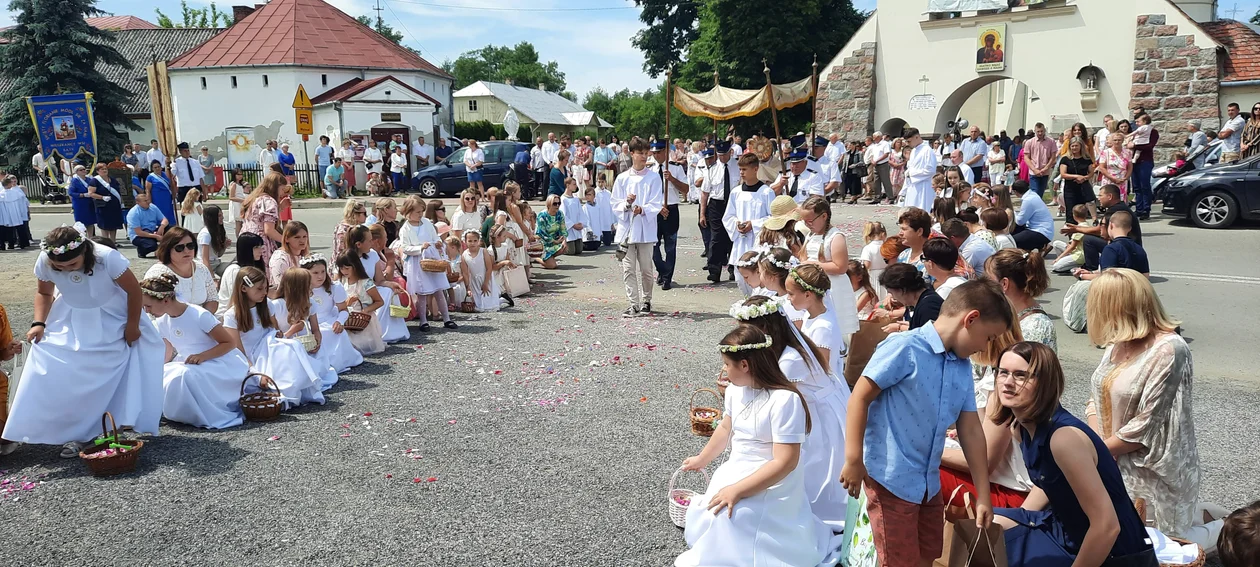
[774,527]
[319,361]
[824,331]
[477,273]
[205,394]
[83,368]
[336,348]
[197,290]
[284,360]
[393,329]
[822,454]
[410,245]
[818,247]
[745,205]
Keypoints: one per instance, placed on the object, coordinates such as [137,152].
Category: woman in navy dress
[109,213]
[1078,511]
[159,188]
[81,202]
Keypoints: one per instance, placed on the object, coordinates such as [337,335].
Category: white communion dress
[83,367]
[774,527]
[327,373]
[844,302]
[336,348]
[477,274]
[825,332]
[822,454]
[284,360]
[393,329]
[205,394]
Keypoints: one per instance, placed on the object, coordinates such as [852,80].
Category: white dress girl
[410,245]
[775,526]
[520,254]
[367,341]
[843,302]
[822,454]
[238,191]
[82,367]
[205,394]
[336,348]
[319,361]
[824,331]
[193,221]
[477,274]
[284,360]
[393,329]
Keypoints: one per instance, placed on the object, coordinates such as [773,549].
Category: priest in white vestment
[920,169]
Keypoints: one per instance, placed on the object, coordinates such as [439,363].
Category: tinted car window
[457,157]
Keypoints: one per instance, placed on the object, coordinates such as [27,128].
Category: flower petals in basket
[109,454]
[679,499]
[434,266]
[535,250]
[704,419]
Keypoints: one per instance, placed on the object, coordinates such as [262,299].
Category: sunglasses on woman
[183,247]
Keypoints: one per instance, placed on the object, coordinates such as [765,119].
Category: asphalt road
[541,435]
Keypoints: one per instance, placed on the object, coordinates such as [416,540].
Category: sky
[589,39]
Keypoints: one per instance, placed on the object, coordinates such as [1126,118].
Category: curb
[37,209]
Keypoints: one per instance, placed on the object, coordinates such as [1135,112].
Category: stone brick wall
[846,102]
[1175,81]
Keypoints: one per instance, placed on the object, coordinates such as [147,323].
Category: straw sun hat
[782,210]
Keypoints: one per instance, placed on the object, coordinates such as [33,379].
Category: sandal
[71,450]
[450,325]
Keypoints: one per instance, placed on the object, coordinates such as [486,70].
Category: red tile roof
[303,32]
[120,23]
[356,85]
[1242,46]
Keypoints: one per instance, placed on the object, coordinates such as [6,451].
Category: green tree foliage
[498,64]
[1255,19]
[484,129]
[53,50]
[382,28]
[643,114]
[209,17]
[732,38]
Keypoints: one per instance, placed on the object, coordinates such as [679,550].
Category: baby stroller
[52,193]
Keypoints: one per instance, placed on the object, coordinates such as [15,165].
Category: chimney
[542,87]
[241,12]
[507,82]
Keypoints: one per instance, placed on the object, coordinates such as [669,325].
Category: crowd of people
[818,432]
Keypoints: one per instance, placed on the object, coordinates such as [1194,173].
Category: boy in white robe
[637,199]
[747,207]
[920,169]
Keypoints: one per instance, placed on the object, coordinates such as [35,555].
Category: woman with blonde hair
[1140,400]
[385,213]
[468,217]
[352,215]
[262,211]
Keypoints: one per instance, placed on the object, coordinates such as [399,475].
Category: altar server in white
[328,303]
[637,199]
[204,369]
[747,208]
[920,169]
[755,511]
[92,349]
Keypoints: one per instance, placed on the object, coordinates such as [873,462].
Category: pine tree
[53,50]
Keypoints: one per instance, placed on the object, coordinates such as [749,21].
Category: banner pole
[774,115]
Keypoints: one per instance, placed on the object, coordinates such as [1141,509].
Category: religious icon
[991,55]
[63,127]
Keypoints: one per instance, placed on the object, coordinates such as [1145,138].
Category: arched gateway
[914,64]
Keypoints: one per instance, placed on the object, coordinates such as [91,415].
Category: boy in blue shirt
[1122,251]
[916,384]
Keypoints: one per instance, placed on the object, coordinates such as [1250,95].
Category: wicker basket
[263,405]
[704,419]
[535,250]
[722,383]
[468,305]
[678,510]
[1140,504]
[110,455]
[434,266]
[357,321]
[308,340]
[398,309]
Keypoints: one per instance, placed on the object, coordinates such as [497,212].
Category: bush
[480,130]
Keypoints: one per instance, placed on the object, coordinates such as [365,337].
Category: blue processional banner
[64,126]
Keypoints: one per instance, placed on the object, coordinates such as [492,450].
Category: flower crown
[749,312]
[59,250]
[747,263]
[788,265]
[313,258]
[157,294]
[754,346]
[805,285]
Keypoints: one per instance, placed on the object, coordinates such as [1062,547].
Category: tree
[193,17]
[643,114]
[53,50]
[382,28]
[519,64]
[732,38]
[1255,19]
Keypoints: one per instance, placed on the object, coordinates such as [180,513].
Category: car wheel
[1214,209]
[428,188]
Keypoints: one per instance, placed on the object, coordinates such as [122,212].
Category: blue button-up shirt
[1033,215]
[924,389]
[971,149]
[604,155]
[146,219]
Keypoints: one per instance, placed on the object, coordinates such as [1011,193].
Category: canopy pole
[715,129]
[668,88]
[774,115]
[813,113]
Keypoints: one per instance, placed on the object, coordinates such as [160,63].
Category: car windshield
[457,157]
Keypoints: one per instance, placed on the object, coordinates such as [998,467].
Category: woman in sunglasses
[468,217]
[177,253]
[1250,142]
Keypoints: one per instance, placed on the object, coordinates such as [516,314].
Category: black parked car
[451,177]
[1213,197]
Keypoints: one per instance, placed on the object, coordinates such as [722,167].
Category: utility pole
[380,23]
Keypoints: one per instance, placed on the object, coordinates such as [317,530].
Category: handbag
[517,282]
[858,548]
[862,346]
[972,547]
[623,247]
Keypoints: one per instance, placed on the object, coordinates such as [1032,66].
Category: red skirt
[1001,496]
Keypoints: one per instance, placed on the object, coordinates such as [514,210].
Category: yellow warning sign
[304,124]
[301,100]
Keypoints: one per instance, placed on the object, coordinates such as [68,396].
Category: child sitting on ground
[921,372]
[1073,255]
[1121,252]
[1239,543]
[747,267]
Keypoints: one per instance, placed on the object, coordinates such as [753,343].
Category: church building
[1008,64]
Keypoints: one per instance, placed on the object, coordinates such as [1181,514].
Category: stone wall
[1175,81]
[846,96]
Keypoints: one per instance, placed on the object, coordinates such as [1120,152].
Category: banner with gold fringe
[64,127]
